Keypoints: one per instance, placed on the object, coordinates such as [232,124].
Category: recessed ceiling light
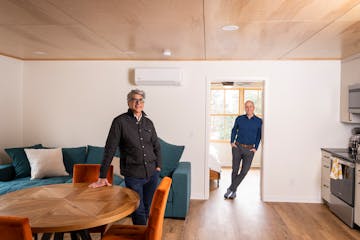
[39,53]
[167,52]
[230,28]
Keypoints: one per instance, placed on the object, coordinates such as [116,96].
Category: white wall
[73,104]
[70,103]
[301,115]
[10,104]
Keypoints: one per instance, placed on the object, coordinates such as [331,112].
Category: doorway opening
[226,102]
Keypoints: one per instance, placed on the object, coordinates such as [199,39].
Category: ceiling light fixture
[167,52]
[230,28]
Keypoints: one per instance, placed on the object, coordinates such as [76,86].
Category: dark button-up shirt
[247,131]
[138,143]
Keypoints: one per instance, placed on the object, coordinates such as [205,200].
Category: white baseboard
[196,196]
[255,165]
[277,198]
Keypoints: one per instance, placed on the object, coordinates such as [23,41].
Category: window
[228,103]
[254,95]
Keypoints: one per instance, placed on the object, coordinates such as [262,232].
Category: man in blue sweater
[245,139]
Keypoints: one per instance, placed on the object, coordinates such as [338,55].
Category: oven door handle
[346,163]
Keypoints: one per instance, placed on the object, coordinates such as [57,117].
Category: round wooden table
[69,207]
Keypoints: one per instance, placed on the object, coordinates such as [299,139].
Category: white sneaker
[228,194]
[232,195]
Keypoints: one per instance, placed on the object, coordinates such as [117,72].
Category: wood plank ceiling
[191,29]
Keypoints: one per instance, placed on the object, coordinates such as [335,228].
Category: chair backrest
[88,173]
[157,211]
[15,228]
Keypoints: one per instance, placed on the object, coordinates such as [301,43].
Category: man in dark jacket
[140,157]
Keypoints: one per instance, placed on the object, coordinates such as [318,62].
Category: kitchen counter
[343,154]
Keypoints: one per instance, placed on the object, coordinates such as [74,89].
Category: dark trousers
[145,187]
[244,156]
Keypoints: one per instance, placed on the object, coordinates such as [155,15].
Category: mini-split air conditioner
[158,76]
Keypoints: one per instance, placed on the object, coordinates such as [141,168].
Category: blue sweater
[247,131]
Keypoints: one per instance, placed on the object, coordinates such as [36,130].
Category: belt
[245,145]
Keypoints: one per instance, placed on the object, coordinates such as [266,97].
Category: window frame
[241,108]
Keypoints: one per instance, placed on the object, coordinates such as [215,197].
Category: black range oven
[344,188]
[343,192]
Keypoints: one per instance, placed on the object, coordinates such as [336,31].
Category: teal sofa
[179,196]
[180,172]
[13,184]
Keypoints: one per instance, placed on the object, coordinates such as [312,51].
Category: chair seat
[125,232]
[15,228]
[153,231]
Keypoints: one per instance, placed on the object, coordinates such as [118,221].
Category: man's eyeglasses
[137,100]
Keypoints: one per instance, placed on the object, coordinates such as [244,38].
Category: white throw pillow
[116,164]
[46,162]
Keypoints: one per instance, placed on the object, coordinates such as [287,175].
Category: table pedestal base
[76,235]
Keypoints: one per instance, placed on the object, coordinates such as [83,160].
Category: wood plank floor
[247,217]
[173,229]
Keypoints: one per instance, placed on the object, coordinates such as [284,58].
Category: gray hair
[249,101]
[133,92]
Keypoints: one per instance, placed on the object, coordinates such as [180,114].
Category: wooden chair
[89,173]
[15,228]
[154,229]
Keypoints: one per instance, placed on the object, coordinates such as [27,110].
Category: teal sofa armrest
[7,172]
[181,186]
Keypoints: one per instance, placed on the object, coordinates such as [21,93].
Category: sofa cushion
[170,155]
[69,181]
[73,156]
[7,172]
[22,183]
[46,163]
[95,154]
[20,161]
[118,180]
[5,186]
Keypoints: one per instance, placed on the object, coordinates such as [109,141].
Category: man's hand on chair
[100,183]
